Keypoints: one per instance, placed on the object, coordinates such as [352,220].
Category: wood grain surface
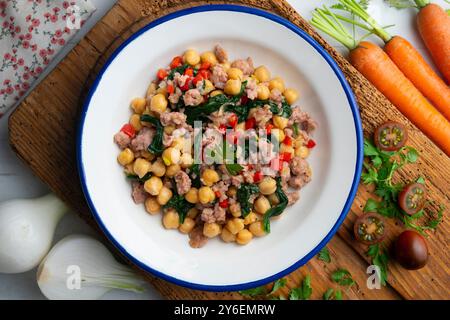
[43,127]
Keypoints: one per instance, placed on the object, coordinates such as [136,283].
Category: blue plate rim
[353,106]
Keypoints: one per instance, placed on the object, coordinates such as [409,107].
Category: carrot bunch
[396,71]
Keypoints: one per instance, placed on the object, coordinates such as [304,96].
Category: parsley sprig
[379,258]
[324,255]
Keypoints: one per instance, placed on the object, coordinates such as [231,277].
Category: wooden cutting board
[42,132]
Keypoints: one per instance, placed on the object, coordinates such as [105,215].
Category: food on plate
[369,59]
[412,198]
[411,250]
[218,146]
[390,136]
[369,228]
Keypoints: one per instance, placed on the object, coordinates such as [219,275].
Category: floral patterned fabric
[31,33]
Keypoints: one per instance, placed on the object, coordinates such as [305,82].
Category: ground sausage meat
[192,97]
[143,139]
[251,89]
[122,140]
[219,76]
[172,118]
[216,214]
[276,95]
[303,119]
[262,115]
[220,53]
[196,237]
[183,182]
[245,65]
[138,193]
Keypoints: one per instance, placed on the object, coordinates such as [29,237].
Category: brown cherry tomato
[390,136]
[369,228]
[412,198]
[411,250]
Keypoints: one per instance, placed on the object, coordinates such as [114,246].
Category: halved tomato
[390,136]
[369,228]
[412,198]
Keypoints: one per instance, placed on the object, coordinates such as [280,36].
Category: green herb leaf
[342,277]
[201,112]
[147,176]
[280,283]
[380,258]
[303,292]
[243,197]
[338,295]
[156,146]
[371,205]
[234,169]
[433,224]
[420,180]
[324,255]
[330,294]
[278,209]
[296,129]
[254,292]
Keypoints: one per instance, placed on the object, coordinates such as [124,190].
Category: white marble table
[17,181]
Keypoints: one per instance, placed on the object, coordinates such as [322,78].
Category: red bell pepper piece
[176,62]
[311,144]
[161,74]
[250,123]
[128,129]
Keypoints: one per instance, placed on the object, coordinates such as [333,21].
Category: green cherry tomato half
[412,198]
[369,228]
[411,250]
[390,136]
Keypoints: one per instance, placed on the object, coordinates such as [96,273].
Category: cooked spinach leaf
[147,176]
[180,205]
[195,170]
[233,168]
[243,197]
[278,209]
[201,112]
[156,146]
[181,69]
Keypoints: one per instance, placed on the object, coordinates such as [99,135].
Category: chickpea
[286,149]
[178,143]
[215,93]
[233,87]
[232,191]
[261,205]
[162,90]
[209,177]
[263,92]
[125,157]
[235,73]
[128,169]
[141,167]
[211,230]
[276,83]
[171,156]
[138,105]
[250,218]
[192,195]
[187,225]
[186,160]
[193,213]
[151,90]
[273,199]
[291,95]
[172,170]
[302,152]
[158,168]
[164,195]
[191,57]
[267,186]
[147,155]
[235,210]
[262,74]
[171,220]
[158,103]
[244,237]
[206,195]
[153,185]
[226,65]
[135,121]
[169,129]
[257,229]
[280,122]
[278,133]
[235,225]
[227,236]
[210,57]
[152,206]
[208,87]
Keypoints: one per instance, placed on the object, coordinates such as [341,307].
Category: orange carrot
[416,69]
[434,27]
[381,71]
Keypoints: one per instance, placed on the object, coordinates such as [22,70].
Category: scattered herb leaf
[303,292]
[324,255]
[254,292]
[342,277]
[181,206]
[380,258]
[280,283]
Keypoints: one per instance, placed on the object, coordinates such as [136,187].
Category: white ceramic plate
[303,229]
